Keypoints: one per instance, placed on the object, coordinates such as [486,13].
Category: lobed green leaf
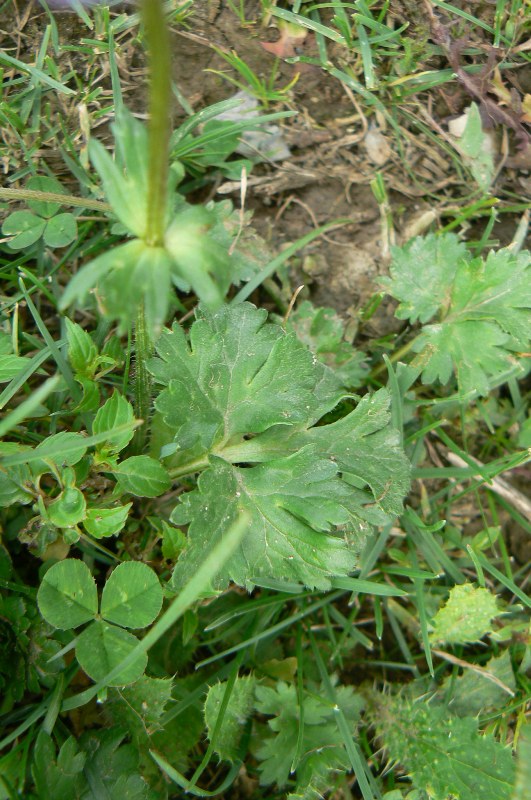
[446,756]
[482,307]
[242,391]
[467,615]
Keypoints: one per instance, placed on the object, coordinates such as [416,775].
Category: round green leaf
[60,230]
[67,596]
[68,509]
[142,476]
[102,646]
[102,522]
[116,411]
[132,596]
[71,535]
[25,228]
[44,184]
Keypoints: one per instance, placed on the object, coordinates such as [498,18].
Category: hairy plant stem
[158,47]
[142,381]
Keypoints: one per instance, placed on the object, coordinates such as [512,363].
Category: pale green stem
[251,450]
[158,46]
[142,380]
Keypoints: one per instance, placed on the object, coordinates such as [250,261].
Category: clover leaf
[102,646]
[68,596]
[131,598]
[26,228]
[42,183]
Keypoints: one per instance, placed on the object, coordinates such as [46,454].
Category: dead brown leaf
[291,39]
[480,85]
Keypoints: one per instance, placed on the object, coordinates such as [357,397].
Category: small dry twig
[475,668]
[518,500]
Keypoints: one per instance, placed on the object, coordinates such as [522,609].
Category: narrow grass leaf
[367,587]
[280,626]
[37,74]
[312,25]
[504,580]
[60,360]
[423,619]
[25,410]
[181,781]
[359,765]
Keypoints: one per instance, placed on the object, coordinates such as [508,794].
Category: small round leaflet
[67,596]
[101,647]
[132,596]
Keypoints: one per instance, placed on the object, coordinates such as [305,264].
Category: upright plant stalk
[142,384]
[159,61]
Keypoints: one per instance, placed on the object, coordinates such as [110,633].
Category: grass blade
[359,765]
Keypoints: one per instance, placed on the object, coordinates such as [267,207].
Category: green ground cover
[246,552]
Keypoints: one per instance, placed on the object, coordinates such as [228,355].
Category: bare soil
[337,145]
[328,176]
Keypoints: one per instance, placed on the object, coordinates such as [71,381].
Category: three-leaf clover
[131,598]
[26,228]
